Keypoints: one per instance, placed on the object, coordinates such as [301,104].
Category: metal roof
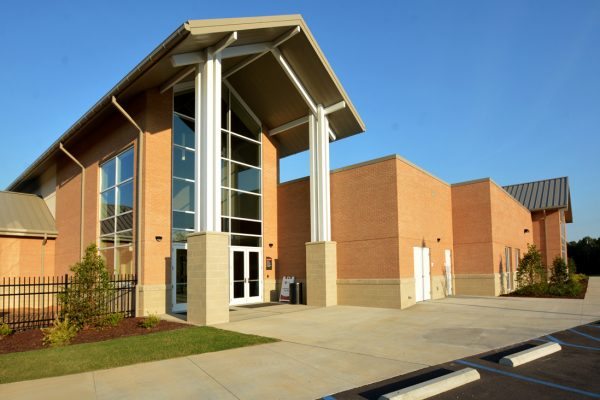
[547,194]
[23,214]
[262,84]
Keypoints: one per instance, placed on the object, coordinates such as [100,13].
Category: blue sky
[464,89]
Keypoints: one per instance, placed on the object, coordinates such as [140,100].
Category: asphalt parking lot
[572,373]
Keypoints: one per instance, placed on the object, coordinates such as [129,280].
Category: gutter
[123,84]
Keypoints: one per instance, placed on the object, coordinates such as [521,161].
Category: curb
[435,386]
[528,355]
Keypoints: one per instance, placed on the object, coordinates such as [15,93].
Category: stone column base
[208,278]
[321,274]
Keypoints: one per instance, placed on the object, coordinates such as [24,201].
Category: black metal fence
[33,302]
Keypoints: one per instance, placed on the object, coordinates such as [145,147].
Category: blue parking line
[584,335]
[594,326]
[555,340]
[328,398]
[528,379]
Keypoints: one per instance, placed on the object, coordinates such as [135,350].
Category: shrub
[531,270]
[571,266]
[60,333]
[87,295]
[559,271]
[112,319]
[150,321]
[5,330]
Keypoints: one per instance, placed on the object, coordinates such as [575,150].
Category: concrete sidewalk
[328,350]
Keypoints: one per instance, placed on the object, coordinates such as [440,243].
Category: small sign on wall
[286,282]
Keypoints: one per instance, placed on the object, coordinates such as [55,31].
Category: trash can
[296,293]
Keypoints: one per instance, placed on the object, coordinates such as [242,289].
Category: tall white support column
[320,209]
[321,252]
[208,143]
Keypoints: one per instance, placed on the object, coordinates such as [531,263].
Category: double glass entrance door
[245,275]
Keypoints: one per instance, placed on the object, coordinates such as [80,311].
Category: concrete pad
[353,368]
[259,373]
[435,386]
[528,355]
[76,386]
[327,350]
[177,378]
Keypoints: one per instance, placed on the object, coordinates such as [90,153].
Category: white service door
[422,274]
[426,274]
[418,256]
[448,266]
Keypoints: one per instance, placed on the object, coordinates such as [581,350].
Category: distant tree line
[586,255]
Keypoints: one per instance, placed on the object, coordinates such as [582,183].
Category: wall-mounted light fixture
[270,244]
[525,230]
[158,238]
[438,239]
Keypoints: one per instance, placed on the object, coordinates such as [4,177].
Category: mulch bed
[32,339]
[584,284]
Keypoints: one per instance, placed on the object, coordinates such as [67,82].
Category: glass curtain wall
[241,173]
[241,192]
[116,213]
[184,156]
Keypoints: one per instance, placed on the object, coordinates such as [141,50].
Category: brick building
[174,174]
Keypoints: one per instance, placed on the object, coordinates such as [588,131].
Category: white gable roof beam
[246,50]
[181,60]
[177,78]
[224,43]
[335,107]
[288,126]
[295,80]
[268,46]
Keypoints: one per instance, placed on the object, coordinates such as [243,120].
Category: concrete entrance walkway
[328,350]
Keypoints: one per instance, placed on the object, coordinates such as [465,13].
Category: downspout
[546,245]
[44,241]
[138,196]
[82,201]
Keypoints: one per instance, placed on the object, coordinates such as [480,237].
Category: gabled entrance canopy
[276,66]
[264,83]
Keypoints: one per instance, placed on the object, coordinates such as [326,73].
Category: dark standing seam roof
[543,195]
[23,214]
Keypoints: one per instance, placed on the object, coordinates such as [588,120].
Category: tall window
[184,156]
[116,213]
[241,192]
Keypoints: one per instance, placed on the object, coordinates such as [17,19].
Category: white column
[208,144]
[320,214]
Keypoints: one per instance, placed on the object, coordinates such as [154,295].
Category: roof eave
[105,100]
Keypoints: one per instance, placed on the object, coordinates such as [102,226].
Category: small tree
[87,294]
[559,271]
[531,270]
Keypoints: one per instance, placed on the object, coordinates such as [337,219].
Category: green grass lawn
[118,352]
